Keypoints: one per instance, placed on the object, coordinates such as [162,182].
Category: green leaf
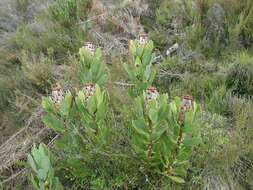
[150,45]
[167,145]
[98,53]
[35,182]
[179,171]
[54,123]
[132,47]
[42,174]
[177,179]
[191,128]
[191,142]
[146,59]
[102,79]
[184,154]
[31,162]
[157,133]
[92,104]
[137,62]
[147,73]
[141,128]
[66,104]
[152,76]
[57,184]
[189,117]
[163,112]
[47,104]
[45,163]
[77,168]
[130,73]
[99,95]
[139,105]
[81,98]
[153,115]
[101,112]
[139,50]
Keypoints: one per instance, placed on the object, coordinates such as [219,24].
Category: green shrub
[5,93]
[162,134]
[26,39]
[82,119]
[201,86]
[22,5]
[38,71]
[56,37]
[68,12]
[105,143]
[41,162]
[160,140]
[91,68]
[141,72]
[59,29]
[240,75]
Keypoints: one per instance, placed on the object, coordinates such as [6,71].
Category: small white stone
[172,49]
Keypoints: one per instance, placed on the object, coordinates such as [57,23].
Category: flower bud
[143,38]
[90,47]
[187,102]
[187,105]
[151,94]
[57,94]
[89,90]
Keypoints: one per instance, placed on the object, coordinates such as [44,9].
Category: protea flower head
[89,90]
[90,47]
[57,93]
[143,38]
[187,105]
[187,102]
[151,94]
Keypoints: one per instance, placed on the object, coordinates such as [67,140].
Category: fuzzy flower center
[143,38]
[90,47]
[89,90]
[151,94]
[57,94]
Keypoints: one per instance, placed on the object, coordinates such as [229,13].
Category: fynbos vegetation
[118,95]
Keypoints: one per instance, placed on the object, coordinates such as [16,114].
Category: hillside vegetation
[161,97]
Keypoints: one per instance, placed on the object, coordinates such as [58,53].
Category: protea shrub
[163,134]
[42,163]
[141,72]
[91,68]
[160,138]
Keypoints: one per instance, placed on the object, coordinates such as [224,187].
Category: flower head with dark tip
[89,90]
[187,102]
[143,38]
[90,47]
[151,94]
[57,94]
[187,105]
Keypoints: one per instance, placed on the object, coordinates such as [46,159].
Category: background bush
[39,46]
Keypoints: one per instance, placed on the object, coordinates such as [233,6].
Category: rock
[184,54]
[172,49]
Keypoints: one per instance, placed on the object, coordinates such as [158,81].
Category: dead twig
[123,84]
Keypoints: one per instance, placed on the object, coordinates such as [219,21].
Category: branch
[169,74]
[123,84]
